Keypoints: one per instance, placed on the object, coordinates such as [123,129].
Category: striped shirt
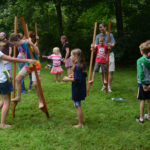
[56,59]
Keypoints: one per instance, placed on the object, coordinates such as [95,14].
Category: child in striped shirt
[56,58]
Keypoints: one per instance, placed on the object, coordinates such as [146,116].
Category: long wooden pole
[91,59]
[108,54]
[44,109]
[14,71]
[36,33]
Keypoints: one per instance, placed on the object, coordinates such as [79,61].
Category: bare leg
[41,105]
[18,81]
[110,78]
[60,77]
[104,78]
[5,108]
[56,77]
[148,109]
[69,71]
[142,102]
[80,118]
[1,104]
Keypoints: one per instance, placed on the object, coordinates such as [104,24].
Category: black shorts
[143,95]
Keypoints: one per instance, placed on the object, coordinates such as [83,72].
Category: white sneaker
[146,117]
[103,88]
[109,89]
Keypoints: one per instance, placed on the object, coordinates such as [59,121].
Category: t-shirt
[101,51]
[112,40]
[26,55]
[3,77]
[66,45]
[4,47]
[56,59]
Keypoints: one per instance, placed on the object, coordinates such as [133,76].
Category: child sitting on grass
[56,57]
[143,74]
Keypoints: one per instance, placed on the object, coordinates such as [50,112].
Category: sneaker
[146,117]
[103,88]
[109,89]
[138,120]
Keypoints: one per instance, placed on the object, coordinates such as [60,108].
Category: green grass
[109,125]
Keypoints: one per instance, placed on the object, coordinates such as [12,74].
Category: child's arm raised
[44,56]
[12,59]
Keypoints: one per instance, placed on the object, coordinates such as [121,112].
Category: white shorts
[23,72]
[111,63]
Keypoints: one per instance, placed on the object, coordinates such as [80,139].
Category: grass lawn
[109,125]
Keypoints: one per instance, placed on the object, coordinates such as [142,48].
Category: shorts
[23,72]
[143,95]
[8,66]
[77,103]
[111,63]
[68,63]
[100,66]
[6,88]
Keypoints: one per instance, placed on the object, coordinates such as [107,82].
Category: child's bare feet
[17,99]
[91,82]
[41,105]
[78,125]
[4,126]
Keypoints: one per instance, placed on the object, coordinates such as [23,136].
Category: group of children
[77,77]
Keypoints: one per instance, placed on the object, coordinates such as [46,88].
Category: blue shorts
[77,103]
[6,88]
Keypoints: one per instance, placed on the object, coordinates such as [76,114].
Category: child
[6,86]
[100,61]
[56,57]
[5,47]
[34,39]
[143,74]
[15,39]
[78,80]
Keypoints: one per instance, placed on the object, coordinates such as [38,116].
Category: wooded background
[75,18]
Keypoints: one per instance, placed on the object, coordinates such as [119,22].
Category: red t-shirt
[101,51]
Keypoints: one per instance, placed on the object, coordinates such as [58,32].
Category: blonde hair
[80,61]
[56,50]
[145,47]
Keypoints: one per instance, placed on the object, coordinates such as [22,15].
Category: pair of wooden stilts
[25,30]
[92,54]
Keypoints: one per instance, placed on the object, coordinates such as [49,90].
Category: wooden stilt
[44,109]
[14,71]
[36,33]
[91,59]
[108,53]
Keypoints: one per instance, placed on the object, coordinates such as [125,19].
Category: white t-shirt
[3,77]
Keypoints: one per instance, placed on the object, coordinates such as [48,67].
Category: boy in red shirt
[100,61]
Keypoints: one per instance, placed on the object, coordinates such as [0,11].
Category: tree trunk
[59,15]
[119,18]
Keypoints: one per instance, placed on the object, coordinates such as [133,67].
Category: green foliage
[78,19]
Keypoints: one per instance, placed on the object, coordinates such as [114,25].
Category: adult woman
[66,54]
